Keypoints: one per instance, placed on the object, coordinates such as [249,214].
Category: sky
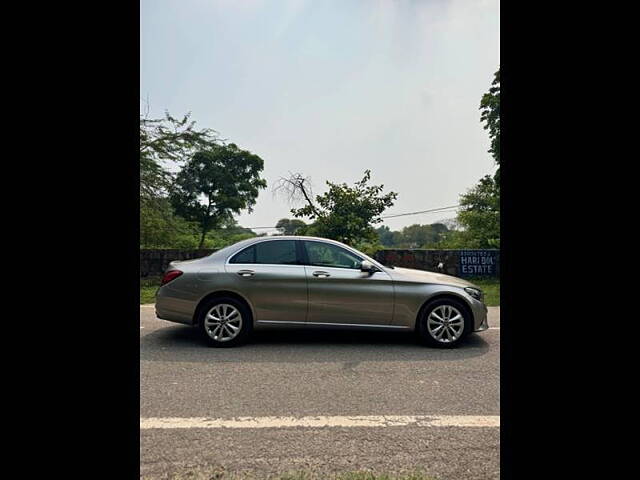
[330,88]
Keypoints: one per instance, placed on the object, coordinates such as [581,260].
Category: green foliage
[413,236]
[216,183]
[291,227]
[453,239]
[220,239]
[480,215]
[479,218]
[491,288]
[165,141]
[175,232]
[490,115]
[148,288]
[346,213]
[369,248]
[170,213]
[385,236]
[230,234]
[161,228]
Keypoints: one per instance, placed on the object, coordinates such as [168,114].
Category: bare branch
[295,188]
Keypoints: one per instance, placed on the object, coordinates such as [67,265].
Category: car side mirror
[367,266]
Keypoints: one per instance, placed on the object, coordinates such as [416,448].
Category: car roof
[288,237]
[292,237]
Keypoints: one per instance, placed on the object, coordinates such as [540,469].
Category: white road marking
[493,328]
[325,421]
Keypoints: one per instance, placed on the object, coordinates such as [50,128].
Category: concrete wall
[460,263]
[153,262]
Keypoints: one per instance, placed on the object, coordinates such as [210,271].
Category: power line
[258,228]
[439,209]
[421,211]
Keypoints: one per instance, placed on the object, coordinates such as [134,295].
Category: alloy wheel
[223,322]
[445,323]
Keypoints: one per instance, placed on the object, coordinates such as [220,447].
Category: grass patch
[491,289]
[148,288]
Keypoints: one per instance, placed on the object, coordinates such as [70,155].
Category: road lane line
[324,421]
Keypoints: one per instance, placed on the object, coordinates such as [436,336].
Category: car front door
[339,292]
[271,276]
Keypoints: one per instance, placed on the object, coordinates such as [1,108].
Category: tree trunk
[205,224]
[311,204]
[204,232]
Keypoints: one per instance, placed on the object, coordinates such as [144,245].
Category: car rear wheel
[444,323]
[225,322]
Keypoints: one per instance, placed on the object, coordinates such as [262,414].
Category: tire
[449,332]
[225,322]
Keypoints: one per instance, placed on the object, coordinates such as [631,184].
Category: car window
[328,255]
[273,252]
[248,255]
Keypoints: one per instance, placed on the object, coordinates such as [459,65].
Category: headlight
[474,292]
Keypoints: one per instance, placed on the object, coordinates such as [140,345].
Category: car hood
[422,276]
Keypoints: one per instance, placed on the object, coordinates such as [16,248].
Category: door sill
[324,324]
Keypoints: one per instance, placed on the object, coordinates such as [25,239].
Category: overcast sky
[331,88]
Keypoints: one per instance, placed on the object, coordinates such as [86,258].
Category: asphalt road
[315,374]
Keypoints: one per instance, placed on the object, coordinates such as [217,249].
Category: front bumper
[480,322]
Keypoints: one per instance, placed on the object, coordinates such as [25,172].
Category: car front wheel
[444,323]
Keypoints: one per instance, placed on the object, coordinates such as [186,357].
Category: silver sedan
[275,282]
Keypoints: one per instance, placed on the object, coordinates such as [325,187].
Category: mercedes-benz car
[309,282]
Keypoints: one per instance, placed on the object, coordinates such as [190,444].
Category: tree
[290,227]
[161,228]
[413,236]
[490,115]
[228,234]
[480,214]
[215,184]
[385,236]
[164,141]
[343,213]
[422,236]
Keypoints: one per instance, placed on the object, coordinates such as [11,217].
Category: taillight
[170,275]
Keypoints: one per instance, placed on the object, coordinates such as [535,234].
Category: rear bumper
[172,308]
[173,317]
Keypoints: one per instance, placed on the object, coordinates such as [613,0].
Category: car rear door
[339,292]
[271,276]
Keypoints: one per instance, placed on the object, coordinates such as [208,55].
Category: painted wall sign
[479,263]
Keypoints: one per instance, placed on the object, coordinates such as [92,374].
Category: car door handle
[246,273]
[320,273]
